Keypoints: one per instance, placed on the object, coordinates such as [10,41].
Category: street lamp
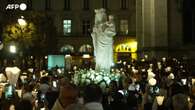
[22,21]
[12,48]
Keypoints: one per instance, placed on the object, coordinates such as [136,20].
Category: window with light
[67,26]
[124,26]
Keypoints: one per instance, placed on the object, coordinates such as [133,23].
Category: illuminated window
[67,27]
[66,4]
[86,27]
[86,48]
[124,26]
[67,49]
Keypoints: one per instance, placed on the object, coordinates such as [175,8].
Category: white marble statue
[102,35]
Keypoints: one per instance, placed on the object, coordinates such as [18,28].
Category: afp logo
[21,6]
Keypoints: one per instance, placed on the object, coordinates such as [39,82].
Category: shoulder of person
[76,106]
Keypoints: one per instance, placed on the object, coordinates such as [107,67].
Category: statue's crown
[100,10]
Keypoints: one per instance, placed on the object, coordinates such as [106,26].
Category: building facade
[74,19]
[165,27]
[155,27]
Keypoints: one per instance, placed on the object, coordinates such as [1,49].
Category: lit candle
[160,100]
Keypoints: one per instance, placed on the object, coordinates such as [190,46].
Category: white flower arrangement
[103,78]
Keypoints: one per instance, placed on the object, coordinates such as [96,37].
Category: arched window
[86,48]
[67,49]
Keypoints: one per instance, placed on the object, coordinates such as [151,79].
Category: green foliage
[20,35]
[38,36]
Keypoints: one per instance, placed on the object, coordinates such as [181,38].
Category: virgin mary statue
[102,35]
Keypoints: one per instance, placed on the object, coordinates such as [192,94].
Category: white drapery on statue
[102,35]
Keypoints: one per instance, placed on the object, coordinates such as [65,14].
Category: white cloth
[94,106]
[12,74]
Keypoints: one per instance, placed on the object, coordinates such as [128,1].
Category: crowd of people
[163,84]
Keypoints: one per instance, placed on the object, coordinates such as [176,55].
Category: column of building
[152,27]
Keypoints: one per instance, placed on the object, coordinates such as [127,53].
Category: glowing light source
[86,56]
[150,74]
[193,81]
[59,71]
[171,76]
[19,92]
[146,56]
[160,100]
[75,68]
[189,99]
[152,82]
[12,49]
[30,70]
[164,59]
[168,69]
[130,46]
[124,63]
[43,73]
[22,21]
[68,55]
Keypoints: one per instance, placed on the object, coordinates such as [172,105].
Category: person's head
[28,88]
[92,93]
[7,106]
[44,80]
[118,97]
[113,86]
[126,83]
[68,92]
[180,102]
[24,105]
